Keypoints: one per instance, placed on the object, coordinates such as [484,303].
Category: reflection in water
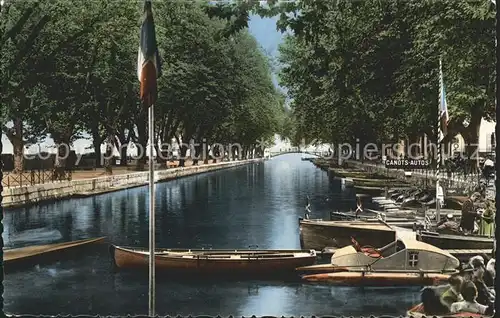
[31,237]
[257,204]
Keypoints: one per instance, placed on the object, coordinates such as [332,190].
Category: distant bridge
[271,154]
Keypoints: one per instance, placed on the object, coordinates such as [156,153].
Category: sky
[264,30]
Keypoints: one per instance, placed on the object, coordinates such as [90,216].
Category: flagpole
[148,71]
[438,157]
[151,214]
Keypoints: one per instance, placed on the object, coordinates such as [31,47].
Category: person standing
[469,213]
[488,169]
[487,221]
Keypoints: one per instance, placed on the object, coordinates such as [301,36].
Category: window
[413,259]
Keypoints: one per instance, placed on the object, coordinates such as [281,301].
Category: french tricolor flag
[443,105]
[148,60]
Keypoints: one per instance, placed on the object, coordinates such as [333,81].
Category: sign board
[407,164]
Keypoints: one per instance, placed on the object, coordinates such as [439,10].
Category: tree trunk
[142,140]
[16,138]
[124,140]
[182,151]
[166,152]
[124,155]
[182,158]
[159,158]
[244,152]
[195,155]
[109,155]
[215,154]
[62,144]
[207,155]
[97,140]
[471,139]
[97,151]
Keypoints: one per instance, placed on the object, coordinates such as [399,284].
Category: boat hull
[320,269]
[319,236]
[374,191]
[208,262]
[450,241]
[397,219]
[26,256]
[377,279]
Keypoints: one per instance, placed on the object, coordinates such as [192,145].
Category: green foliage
[70,67]
[369,69]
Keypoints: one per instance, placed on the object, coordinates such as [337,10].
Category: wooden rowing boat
[320,268]
[371,190]
[27,255]
[318,234]
[215,262]
[453,241]
[377,279]
[398,218]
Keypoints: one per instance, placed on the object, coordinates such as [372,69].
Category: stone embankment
[28,195]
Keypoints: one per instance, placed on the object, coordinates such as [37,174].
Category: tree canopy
[69,67]
[370,69]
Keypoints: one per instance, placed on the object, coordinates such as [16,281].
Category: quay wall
[28,195]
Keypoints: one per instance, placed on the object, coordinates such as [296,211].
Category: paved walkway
[13,180]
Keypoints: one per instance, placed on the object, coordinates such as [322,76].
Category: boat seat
[372,252]
[374,255]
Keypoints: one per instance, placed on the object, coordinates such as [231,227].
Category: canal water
[253,205]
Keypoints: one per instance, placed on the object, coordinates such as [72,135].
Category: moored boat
[320,268]
[245,263]
[377,279]
[403,262]
[371,190]
[318,234]
[16,257]
[405,218]
[452,241]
